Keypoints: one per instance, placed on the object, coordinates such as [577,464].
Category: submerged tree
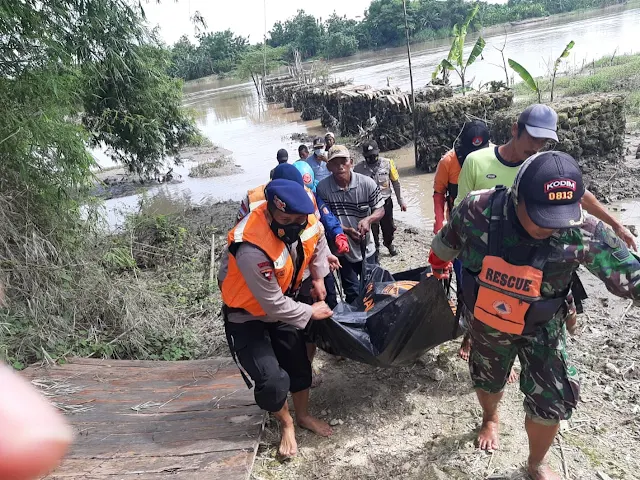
[258,62]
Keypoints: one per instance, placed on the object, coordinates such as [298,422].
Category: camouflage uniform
[549,383]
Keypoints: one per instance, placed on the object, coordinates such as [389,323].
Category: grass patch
[219,167]
[141,293]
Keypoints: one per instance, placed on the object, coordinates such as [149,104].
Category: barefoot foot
[316,426]
[513,376]
[542,472]
[465,348]
[288,445]
[488,435]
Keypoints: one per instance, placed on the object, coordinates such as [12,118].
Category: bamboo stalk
[413,96]
[212,265]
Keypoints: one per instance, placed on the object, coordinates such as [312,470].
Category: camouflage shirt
[592,245]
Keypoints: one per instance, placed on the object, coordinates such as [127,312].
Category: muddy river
[231,115]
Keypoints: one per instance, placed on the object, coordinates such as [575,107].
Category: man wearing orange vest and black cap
[519,249]
[259,278]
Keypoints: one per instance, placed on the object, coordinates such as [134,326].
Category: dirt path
[420,422]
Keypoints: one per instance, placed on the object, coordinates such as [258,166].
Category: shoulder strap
[541,256]
[498,200]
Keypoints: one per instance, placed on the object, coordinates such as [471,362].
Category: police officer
[260,274]
[384,172]
[519,248]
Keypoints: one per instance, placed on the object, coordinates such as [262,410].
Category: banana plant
[564,54]
[526,77]
[455,60]
[534,84]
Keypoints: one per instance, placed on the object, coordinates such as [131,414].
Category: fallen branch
[626,310]
[212,266]
[565,467]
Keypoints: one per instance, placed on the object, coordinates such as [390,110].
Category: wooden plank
[194,420]
[156,465]
[131,373]
[151,449]
[143,363]
[97,419]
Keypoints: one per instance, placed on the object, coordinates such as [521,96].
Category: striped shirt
[351,204]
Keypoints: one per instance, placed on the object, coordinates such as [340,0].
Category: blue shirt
[319,168]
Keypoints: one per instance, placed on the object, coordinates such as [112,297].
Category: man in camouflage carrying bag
[519,248]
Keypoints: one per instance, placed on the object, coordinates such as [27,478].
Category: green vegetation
[216,53]
[556,65]
[259,62]
[533,84]
[527,78]
[76,74]
[619,74]
[455,60]
[381,26]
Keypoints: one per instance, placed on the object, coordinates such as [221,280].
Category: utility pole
[413,96]
[264,47]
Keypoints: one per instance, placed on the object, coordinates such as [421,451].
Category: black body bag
[393,322]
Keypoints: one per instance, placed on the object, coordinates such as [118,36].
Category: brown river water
[230,114]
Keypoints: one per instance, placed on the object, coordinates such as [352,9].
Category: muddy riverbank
[204,161]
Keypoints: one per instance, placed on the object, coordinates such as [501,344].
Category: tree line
[382,26]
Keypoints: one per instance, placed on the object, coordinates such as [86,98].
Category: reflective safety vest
[504,296]
[381,175]
[257,197]
[255,229]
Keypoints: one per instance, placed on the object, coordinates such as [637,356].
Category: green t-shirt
[485,169]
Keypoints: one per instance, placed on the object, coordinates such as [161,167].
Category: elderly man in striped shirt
[357,202]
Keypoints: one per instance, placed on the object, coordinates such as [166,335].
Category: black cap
[318,142]
[283,155]
[474,136]
[550,183]
[369,148]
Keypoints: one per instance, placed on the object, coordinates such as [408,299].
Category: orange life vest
[504,296]
[255,229]
[257,197]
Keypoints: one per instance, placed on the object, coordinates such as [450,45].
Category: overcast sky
[244,17]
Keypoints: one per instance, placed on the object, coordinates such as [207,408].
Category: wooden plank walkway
[154,420]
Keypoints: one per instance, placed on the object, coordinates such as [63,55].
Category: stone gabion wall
[440,122]
[309,101]
[431,93]
[588,126]
[349,109]
[394,120]
[274,88]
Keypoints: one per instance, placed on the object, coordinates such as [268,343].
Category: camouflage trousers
[549,383]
